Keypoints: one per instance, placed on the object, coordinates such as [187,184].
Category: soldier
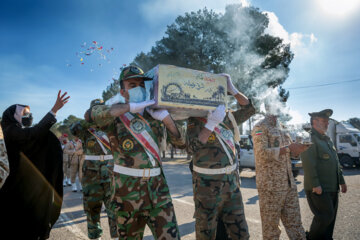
[4,163]
[216,180]
[277,190]
[322,177]
[67,152]
[75,163]
[141,194]
[97,173]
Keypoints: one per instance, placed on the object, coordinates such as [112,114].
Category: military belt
[209,171]
[98,157]
[144,173]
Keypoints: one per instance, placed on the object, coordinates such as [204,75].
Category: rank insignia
[211,138]
[326,156]
[137,125]
[128,145]
[276,143]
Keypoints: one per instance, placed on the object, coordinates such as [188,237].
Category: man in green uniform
[322,177]
[141,195]
[97,173]
[216,181]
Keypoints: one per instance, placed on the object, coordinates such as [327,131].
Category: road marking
[191,204]
[72,227]
[183,201]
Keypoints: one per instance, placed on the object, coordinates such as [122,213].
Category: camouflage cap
[326,113]
[132,72]
[96,102]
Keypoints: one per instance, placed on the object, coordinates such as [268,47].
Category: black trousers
[324,207]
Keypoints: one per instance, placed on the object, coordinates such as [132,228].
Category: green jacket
[321,164]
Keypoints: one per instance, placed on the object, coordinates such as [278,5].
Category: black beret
[326,113]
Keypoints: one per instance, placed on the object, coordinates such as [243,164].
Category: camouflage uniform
[75,164]
[68,152]
[217,196]
[138,201]
[278,196]
[96,182]
[4,163]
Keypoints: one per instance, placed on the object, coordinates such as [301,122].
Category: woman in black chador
[31,198]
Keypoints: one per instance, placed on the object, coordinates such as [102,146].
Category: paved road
[72,222]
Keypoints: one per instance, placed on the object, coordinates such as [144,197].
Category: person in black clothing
[31,198]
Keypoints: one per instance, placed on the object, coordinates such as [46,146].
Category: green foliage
[234,42]
[60,128]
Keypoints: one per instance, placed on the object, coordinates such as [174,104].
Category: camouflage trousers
[219,199]
[282,205]
[66,168]
[76,167]
[139,202]
[97,190]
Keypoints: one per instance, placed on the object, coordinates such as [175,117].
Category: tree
[234,42]
[64,127]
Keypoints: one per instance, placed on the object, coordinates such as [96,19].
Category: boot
[64,183]
[74,188]
[80,187]
[68,182]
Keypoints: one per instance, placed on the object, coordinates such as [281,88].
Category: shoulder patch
[257,133]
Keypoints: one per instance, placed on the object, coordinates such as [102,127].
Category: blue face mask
[137,94]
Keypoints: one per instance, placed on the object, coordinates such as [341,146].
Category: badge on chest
[137,125]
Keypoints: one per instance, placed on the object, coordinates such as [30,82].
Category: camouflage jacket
[90,145]
[211,154]
[78,148]
[273,171]
[132,192]
[68,151]
[4,163]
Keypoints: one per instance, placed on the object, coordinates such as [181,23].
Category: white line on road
[72,228]
[191,204]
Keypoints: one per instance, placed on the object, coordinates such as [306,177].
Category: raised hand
[230,86]
[60,101]
[215,117]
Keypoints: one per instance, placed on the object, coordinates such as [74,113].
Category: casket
[185,92]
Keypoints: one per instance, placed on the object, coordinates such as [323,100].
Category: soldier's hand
[317,190]
[230,86]
[60,101]
[139,107]
[215,117]
[158,114]
[297,148]
[343,188]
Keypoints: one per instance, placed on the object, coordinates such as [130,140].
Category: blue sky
[39,41]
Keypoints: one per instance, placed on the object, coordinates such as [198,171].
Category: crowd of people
[116,155]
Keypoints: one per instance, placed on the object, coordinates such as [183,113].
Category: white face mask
[137,94]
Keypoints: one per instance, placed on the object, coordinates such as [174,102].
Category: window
[347,139]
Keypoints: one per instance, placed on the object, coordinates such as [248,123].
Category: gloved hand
[139,107]
[158,114]
[215,117]
[230,86]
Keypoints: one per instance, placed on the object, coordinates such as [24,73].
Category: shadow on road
[184,229]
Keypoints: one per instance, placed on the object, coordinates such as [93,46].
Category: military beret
[326,113]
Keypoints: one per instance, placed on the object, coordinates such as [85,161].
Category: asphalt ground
[72,221]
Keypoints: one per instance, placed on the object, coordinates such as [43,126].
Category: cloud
[299,42]
[154,11]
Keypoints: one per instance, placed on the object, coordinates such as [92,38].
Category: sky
[42,44]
